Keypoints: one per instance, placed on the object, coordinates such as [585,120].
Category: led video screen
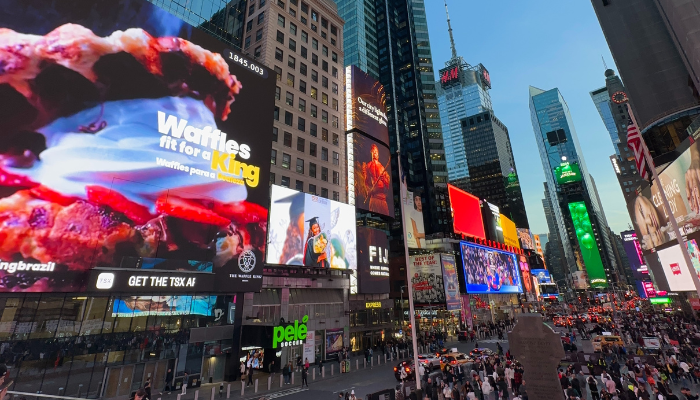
[365,105]
[370,180]
[466,213]
[372,260]
[140,306]
[489,270]
[587,245]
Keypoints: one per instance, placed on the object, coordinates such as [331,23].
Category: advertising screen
[449,273]
[334,340]
[525,274]
[633,250]
[492,221]
[489,270]
[365,105]
[413,218]
[649,289]
[567,173]
[141,306]
[510,232]
[542,275]
[372,260]
[526,238]
[312,231]
[466,213]
[675,268]
[682,190]
[370,180]
[579,280]
[128,133]
[426,277]
[587,244]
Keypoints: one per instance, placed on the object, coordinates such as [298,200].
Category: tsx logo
[246,262]
[105,280]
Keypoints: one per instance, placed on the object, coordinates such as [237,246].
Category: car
[441,352]
[603,341]
[481,352]
[429,361]
[408,367]
[453,359]
[463,336]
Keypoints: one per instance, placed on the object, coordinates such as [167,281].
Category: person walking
[250,376]
[169,380]
[304,376]
[593,386]
[147,388]
[184,384]
[242,369]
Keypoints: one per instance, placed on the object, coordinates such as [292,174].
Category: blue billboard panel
[488,270]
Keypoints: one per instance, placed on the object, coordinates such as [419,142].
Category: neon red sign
[449,75]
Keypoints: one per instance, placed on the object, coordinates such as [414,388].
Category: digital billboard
[311,231]
[682,185]
[449,274]
[492,221]
[541,275]
[579,280]
[567,172]
[426,277]
[370,179]
[412,217]
[365,105]
[587,245]
[525,274]
[675,268]
[128,132]
[633,250]
[466,213]
[488,270]
[141,306]
[510,232]
[526,238]
[372,260]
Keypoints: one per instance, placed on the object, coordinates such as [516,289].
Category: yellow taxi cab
[603,341]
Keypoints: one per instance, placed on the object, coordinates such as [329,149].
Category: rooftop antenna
[449,29]
[604,64]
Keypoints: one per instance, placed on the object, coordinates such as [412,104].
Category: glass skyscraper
[359,34]
[601,99]
[574,203]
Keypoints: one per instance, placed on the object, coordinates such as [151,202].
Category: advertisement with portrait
[312,231]
[492,221]
[413,217]
[525,274]
[633,250]
[681,183]
[579,280]
[140,306]
[466,213]
[541,275]
[675,268]
[510,232]
[129,133]
[450,279]
[371,177]
[334,341]
[467,318]
[587,244]
[365,105]
[526,239]
[426,277]
[372,261]
[310,347]
[488,270]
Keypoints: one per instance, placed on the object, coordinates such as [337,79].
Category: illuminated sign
[150,280]
[485,76]
[373,304]
[449,75]
[567,173]
[660,300]
[290,335]
[587,244]
[616,167]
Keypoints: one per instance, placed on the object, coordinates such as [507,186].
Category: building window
[290,99]
[312,189]
[312,149]
[324,98]
[314,15]
[286,160]
[304,37]
[336,177]
[285,181]
[324,116]
[335,88]
[280,20]
[292,45]
[257,52]
[302,69]
[299,185]
[314,59]
[278,70]
[280,3]
[314,92]
[287,139]
[324,154]
[277,113]
[303,52]
[336,196]
[290,79]
[313,129]
[292,29]
[324,23]
[249,26]
[279,55]
[324,66]
[335,72]
[334,57]
[258,34]
[302,105]
[335,121]
[324,50]
[324,193]
[273,157]
[301,124]
[291,62]
[324,174]
[336,158]
[288,118]
[312,170]
[304,8]
[247,42]
[302,86]
[261,17]
[324,136]
[272,178]
[314,75]
[334,104]
[278,92]
[274,134]
[280,37]
[324,81]
[314,111]
[300,166]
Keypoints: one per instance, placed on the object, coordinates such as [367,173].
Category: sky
[546,44]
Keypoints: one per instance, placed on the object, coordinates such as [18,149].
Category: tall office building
[656,48]
[575,206]
[553,251]
[601,99]
[360,34]
[477,145]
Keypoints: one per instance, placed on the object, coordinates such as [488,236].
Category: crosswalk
[492,341]
[285,393]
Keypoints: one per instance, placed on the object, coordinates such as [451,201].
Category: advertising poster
[372,176]
[633,250]
[538,245]
[467,318]
[310,347]
[682,187]
[449,273]
[413,217]
[489,270]
[541,275]
[466,213]
[525,274]
[128,133]
[526,239]
[579,280]
[372,260]
[492,221]
[426,277]
[334,341]
[567,173]
[312,231]
[675,268]
[649,289]
[510,232]
[587,245]
[138,306]
[365,105]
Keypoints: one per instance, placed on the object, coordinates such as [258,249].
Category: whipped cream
[122,156]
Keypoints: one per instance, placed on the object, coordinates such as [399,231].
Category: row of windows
[301,125]
[314,19]
[299,185]
[300,167]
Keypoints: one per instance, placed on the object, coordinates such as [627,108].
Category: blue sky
[546,44]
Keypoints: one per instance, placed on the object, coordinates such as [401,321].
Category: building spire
[449,29]
[604,63]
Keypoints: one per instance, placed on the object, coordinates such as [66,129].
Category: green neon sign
[290,335]
[587,244]
[567,173]
[660,300]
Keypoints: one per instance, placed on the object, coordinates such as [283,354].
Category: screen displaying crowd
[490,271]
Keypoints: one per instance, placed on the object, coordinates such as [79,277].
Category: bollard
[384,358]
[313,374]
[323,371]
[269,382]
[178,396]
[228,391]
[242,388]
[364,363]
[212,393]
[332,369]
[196,394]
[357,364]
[371,362]
[292,378]
[256,386]
[80,389]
